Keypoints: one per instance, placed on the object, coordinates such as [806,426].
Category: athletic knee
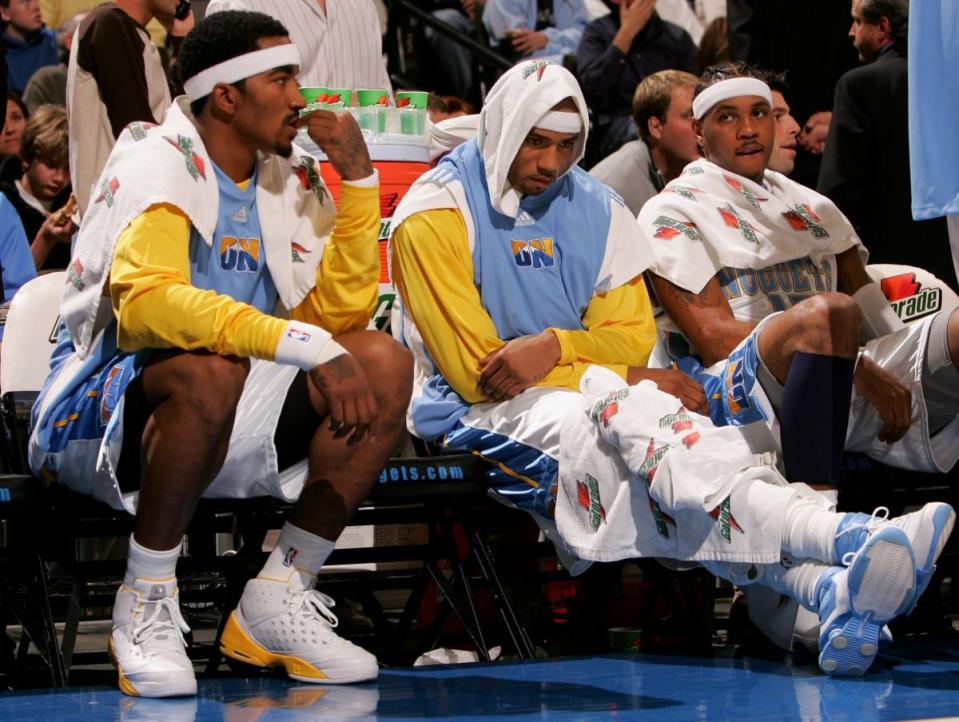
[213,384]
[389,368]
[830,324]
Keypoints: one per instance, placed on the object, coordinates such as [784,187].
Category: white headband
[726,89]
[560,121]
[240,67]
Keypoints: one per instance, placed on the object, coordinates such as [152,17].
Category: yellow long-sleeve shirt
[157,307]
[433,270]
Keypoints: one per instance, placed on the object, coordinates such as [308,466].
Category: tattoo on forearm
[703,299]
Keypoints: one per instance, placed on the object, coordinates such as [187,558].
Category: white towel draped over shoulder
[168,164]
[710,218]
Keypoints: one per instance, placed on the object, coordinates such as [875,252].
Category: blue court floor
[914,682]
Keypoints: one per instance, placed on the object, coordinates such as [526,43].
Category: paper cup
[412,99]
[371,116]
[314,97]
[339,98]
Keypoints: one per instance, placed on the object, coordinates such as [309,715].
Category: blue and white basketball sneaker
[855,602]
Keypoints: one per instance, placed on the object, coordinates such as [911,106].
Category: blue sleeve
[501,16]
[16,261]
[564,39]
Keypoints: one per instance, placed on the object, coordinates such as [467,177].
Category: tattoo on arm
[703,299]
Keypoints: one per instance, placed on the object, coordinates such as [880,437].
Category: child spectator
[44,186]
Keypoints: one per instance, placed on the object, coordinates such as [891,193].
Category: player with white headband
[523,302]
[184,381]
[768,304]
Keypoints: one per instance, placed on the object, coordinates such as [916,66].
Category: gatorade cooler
[399,165]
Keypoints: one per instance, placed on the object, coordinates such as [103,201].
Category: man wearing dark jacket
[865,166]
[619,50]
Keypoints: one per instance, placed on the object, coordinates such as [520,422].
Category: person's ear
[698,132]
[223,100]
[655,127]
[885,27]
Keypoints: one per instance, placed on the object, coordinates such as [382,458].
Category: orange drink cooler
[399,166]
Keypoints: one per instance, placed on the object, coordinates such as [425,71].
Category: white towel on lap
[664,482]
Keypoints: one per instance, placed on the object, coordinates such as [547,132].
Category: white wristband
[306,346]
[878,317]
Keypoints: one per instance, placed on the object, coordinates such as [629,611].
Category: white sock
[809,530]
[143,563]
[297,557]
[832,496]
[798,581]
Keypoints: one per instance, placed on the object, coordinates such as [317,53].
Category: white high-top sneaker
[276,624]
[147,645]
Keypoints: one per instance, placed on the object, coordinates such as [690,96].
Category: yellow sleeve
[433,270]
[157,307]
[347,278]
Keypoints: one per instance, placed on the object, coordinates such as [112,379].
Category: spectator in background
[29,44]
[56,12]
[442,107]
[616,53]
[340,42]
[808,42]
[662,110]
[15,119]
[714,46]
[44,187]
[533,29]
[865,166]
[49,84]
[785,143]
[455,61]
[115,77]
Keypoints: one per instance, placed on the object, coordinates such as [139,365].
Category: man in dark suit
[865,166]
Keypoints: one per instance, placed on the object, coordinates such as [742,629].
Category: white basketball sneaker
[147,645]
[855,602]
[276,624]
[927,529]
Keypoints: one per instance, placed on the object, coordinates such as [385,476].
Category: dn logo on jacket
[537,253]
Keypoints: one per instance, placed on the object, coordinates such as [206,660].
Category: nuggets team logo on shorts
[112,391]
[736,397]
[290,556]
[240,254]
[908,298]
[536,253]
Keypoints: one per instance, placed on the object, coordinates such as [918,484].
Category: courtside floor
[912,681]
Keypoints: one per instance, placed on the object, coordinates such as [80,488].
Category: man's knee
[388,366]
[211,384]
[829,324]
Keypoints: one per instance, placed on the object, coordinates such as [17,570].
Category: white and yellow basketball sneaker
[279,625]
[147,645]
